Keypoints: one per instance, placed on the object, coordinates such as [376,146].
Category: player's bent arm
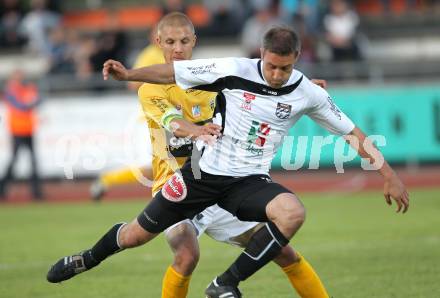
[393,186]
[155,74]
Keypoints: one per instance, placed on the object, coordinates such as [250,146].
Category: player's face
[276,68]
[176,42]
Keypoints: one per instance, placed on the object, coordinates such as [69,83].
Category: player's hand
[210,129]
[182,128]
[395,190]
[115,69]
[320,83]
[208,133]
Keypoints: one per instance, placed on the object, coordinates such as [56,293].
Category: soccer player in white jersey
[267,94]
[176,39]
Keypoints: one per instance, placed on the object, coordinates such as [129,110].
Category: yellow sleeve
[156,106]
[149,56]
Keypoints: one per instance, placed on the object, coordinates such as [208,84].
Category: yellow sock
[174,284]
[305,280]
[123,176]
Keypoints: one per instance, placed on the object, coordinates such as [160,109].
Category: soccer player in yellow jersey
[175,118]
[152,54]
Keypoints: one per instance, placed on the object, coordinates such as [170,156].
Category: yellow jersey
[158,103]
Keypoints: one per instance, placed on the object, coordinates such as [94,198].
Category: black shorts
[183,196]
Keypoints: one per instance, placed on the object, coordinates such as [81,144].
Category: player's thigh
[180,198]
[254,194]
[158,215]
[225,227]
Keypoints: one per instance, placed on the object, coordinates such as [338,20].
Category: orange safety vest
[21,122]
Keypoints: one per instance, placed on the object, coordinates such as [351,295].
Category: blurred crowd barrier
[83,135]
[80,136]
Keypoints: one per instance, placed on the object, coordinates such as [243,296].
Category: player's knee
[287,212]
[132,235]
[294,215]
[185,260]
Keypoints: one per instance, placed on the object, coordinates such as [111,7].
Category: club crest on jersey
[283,110]
[196,111]
[174,189]
[248,98]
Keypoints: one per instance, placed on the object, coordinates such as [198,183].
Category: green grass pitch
[359,246]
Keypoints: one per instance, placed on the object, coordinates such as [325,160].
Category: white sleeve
[325,112]
[205,73]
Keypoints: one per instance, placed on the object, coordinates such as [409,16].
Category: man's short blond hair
[175,19]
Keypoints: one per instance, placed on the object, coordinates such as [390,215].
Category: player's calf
[264,245]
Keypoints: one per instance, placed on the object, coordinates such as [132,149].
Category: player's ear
[194,40]
[262,53]
[296,55]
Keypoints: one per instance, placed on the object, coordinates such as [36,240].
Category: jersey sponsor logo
[176,142]
[202,69]
[212,104]
[271,92]
[258,133]
[248,98]
[159,104]
[283,110]
[174,189]
[196,111]
[334,108]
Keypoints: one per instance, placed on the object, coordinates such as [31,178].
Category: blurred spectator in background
[306,10]
[37,24]
[340,26]
[227,17]
[21,99]
[11,14]
[111,44]
[60,52]
[266,16]
[83,48]
[308,41]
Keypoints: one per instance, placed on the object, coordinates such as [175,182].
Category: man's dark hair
[282,41]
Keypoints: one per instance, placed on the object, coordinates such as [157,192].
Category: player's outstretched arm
[393,186]
[154,74]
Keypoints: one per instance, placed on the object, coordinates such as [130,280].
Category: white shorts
[221,225]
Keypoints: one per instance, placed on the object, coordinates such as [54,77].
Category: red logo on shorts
[174,189]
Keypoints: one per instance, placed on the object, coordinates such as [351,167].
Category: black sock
[105,247]
[264,245]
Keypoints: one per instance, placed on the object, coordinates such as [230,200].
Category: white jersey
[255,117]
